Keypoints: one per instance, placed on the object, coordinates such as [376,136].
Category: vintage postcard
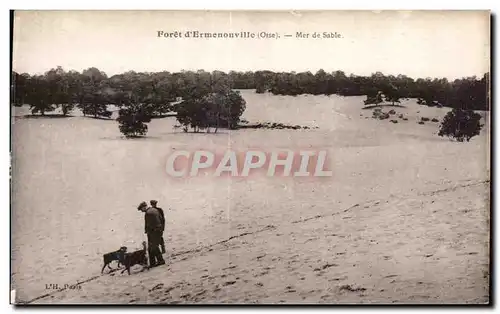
[250,157]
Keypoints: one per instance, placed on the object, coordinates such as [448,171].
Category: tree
[225,109]
[373,98]
[461,124]
[132,120]
[93,98]
[20,85]
[38,96]
[392,94]
[192,113]
[72,87]
[220,109]
[263,81]
[61,86]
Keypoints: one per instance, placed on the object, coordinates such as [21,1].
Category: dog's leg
[102,270]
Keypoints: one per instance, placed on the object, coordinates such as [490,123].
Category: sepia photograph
[250,157]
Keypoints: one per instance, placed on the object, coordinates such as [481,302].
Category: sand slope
[405,217]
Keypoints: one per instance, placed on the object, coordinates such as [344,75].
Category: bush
[424,119]
[383,116]
[461,125]
[421,122]
[392,111]
[394,121]
[434,120]
[96,110]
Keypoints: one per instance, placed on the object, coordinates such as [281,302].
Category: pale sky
[450,44]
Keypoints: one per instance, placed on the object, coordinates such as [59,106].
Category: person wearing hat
[142,205]
[153,227]
[162,218]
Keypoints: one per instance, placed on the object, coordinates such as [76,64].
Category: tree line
[207,100]
[201,100]
[92,88]
[466,93]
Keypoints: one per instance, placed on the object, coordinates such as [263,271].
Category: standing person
[153,229]
[162,218]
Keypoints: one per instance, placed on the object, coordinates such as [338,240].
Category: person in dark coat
[162,218]
[153,228]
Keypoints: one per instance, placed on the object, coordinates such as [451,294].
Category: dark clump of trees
[92,89]
[461,124]
[466,93]
[132,120]
[203,100]
[218,108]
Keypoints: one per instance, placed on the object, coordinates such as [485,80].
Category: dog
[118,255]
[135,258]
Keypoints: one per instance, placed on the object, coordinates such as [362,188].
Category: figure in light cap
[162,218]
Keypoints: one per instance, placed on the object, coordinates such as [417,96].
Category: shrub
[461,125]
[434,120]
[96,110]
[424,119]
[383,116]
[394,121]
[421,122]
[392,111]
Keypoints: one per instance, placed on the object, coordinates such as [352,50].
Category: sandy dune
[404,219]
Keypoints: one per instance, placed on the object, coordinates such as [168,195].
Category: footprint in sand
[290,289]
[158,286]
[351,288]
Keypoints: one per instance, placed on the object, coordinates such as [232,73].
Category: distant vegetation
[207,100]
[466,93]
